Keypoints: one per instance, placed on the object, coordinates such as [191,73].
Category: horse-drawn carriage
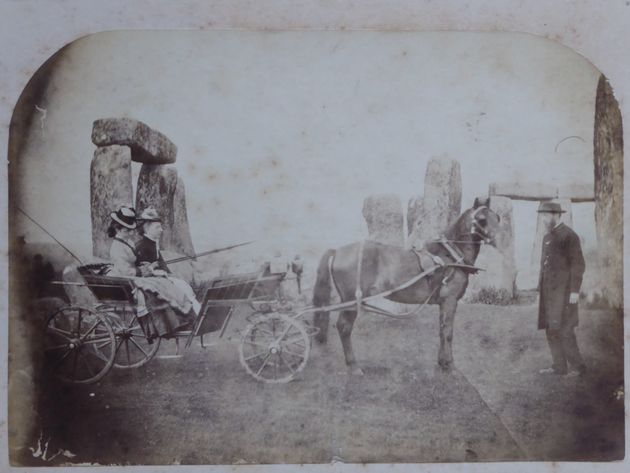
[83,343]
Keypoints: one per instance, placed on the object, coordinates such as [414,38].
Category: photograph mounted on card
[246,247]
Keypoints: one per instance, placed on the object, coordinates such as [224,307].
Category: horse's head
[483,222]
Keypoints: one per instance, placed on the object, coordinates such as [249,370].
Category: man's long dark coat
[561,271]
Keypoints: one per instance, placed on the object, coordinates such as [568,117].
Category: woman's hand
[159,272]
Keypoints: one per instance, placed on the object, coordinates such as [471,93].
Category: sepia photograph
[302,247]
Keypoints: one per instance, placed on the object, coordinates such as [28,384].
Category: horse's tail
[321,296]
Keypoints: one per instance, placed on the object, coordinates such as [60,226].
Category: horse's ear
[481,202]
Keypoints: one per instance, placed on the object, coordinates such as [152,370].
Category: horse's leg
[447,318]
[344,326]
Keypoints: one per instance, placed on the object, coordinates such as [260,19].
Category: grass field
[205,409]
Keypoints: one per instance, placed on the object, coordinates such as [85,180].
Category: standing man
[561,270]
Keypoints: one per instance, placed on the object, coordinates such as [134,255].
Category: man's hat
[550,207]
[149,215]
[126,216]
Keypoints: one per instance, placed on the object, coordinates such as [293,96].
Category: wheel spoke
[275,367]
[74,363]
[63,357]
[284,349]
[98,355]
[62,333]
[286,363]
[56,347]
[264,345]
[139,347]
[94,341]
[257,355]
[88,366]
[264,330]
[79,323]
[293,341]
[90,330]
[127,350]
[264,363]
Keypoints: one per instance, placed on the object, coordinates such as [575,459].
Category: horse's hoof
[321,340]
[445,366]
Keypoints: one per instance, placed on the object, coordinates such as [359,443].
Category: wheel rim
[274,348]
[78,345]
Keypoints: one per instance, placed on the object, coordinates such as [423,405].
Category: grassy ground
[204,408]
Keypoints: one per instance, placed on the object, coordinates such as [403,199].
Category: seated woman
[149,255]
[122,252]
[162,309]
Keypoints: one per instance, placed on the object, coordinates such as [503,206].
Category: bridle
[477,229]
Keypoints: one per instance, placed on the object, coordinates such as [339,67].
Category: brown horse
[384,267]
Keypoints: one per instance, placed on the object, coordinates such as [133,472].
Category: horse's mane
[460,228]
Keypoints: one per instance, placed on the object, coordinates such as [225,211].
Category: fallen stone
[384,217]
[110,187]
[608,160]
[160,187]
[147,145]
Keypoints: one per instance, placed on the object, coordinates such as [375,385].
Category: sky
[281,135]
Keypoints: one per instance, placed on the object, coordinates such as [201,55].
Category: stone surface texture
[384,217]
[608,157]
[110,187]
[499,262]
[161,188]
[441,203]
[147,145]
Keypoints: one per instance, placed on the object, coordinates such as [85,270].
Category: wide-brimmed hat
[126,216]
[550,207]
[149,215]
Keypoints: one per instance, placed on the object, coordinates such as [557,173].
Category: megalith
[500,262]
[160,187]
[441,203]
[110,187]
[147,145]
[608,157]
[384,217]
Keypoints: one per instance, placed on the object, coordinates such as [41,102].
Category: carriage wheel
[132,346]
[274,348]
[78,345]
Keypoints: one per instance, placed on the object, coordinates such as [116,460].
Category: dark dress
[163,320]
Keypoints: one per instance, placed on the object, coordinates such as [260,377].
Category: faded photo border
[34,30]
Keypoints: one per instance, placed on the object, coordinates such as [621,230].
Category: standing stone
[110,187]
[442,201]
[161,188]
[567,219]
[414,213]
[608,157]
[499,262]
[384,217]
[148,146]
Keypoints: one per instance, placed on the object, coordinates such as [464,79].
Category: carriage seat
[106,288]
